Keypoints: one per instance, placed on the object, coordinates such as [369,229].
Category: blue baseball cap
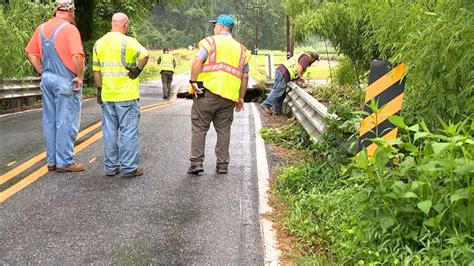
[224,20]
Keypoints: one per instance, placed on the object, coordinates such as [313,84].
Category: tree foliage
[17,22]
[434,38]
[179,25]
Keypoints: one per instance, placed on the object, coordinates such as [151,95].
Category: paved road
[164,217]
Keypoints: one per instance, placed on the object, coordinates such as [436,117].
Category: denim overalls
[61,105]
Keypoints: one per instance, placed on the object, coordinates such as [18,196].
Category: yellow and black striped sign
[385,88]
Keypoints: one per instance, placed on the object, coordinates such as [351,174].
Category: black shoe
[221,169]
[113,173]
[134,173]
[195,169]
[51,168]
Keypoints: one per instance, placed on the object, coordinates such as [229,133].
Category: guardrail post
[270,71]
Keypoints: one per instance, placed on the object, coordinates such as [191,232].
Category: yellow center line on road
[44,169]
[26,165]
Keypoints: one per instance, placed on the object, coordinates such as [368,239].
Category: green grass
[88,92]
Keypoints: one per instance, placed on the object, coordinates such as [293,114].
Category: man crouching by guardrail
[292,69]
[56,52]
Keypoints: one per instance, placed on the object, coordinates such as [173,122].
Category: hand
[133,73]
[196,89]
[239,106]
[99,95]
[78,82]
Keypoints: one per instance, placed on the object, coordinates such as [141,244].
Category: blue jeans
[61,118]
[277,94]
[121,152]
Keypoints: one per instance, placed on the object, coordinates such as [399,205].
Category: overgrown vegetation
[16,26]
[354,210]
[431,37]
[412,202]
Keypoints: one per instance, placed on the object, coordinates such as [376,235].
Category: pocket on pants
[132,116]
[66,89]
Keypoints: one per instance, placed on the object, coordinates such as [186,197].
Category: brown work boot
[51,168]
[77,167]
[134,173]
[267,109]
[221,168]
[195,169]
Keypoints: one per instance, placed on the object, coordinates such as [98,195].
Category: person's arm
[142,57]
[74,43]
[195,70]
[78,62]
[36,62]
[33,52]
[98,85]
[303,64]
[300,71]
[97,79]
[142,63]
[239,106]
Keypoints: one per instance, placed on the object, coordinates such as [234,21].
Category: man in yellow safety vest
[117,62]
[292,69]
[167,64]
[219,77]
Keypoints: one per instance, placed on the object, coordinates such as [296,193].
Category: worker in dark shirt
[292,69]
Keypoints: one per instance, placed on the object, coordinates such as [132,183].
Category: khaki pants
[166,79]
[219,111]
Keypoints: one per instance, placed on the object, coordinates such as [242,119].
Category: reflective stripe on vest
[212,66]
[223,70]
[115,58]
[292,65]
[122,62]
[166,62]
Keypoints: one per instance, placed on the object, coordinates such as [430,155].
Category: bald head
[120,22]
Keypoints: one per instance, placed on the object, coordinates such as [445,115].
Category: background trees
[155,23]
[434,38]
[180,25]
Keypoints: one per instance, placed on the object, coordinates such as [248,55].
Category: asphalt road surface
[164,217]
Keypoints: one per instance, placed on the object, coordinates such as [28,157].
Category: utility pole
[257,7]
[288,38]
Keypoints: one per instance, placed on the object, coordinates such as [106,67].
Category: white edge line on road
[270,244]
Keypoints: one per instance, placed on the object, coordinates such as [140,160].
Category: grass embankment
[410,204]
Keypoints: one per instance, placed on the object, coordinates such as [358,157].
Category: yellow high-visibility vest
[222,71]
[166,62]
[292,65]
[112,55]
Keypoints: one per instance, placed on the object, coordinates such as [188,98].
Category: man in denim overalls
[56,52]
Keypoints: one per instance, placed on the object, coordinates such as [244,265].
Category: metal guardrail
[19,88]
[309,111]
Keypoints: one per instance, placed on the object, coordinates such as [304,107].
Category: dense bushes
[17,22]
[349,209]
[412,203]
[434,39]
